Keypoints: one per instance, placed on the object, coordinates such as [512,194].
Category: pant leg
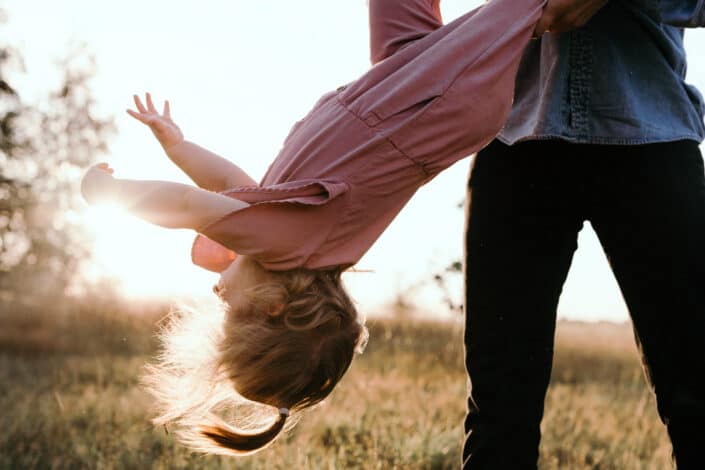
[524,214]
[394,23]
[651,222]
[473,58]
[454,97]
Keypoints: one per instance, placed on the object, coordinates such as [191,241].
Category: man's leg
[524,214]
[651,223]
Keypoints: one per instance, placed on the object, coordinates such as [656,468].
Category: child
[436,93]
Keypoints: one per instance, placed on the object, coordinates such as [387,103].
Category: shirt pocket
[402,94]
[398,109]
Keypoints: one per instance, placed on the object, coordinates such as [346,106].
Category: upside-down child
[436,93]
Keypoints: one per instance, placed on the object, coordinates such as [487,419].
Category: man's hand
[163,128]
[560,16]
[97,183]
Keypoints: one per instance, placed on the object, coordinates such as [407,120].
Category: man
[603,128]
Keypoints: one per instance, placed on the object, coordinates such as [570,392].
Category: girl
[436,93]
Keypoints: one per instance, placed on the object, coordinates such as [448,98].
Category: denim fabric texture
[620,79]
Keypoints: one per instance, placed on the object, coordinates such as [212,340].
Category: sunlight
[148,261]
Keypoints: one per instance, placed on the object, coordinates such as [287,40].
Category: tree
[43,153]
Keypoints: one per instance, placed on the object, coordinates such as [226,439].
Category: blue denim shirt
[620,79]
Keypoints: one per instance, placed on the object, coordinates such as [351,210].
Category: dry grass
[70,398]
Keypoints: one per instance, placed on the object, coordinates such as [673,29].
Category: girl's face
[242,274]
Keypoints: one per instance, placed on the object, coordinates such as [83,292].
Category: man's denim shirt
[620,79]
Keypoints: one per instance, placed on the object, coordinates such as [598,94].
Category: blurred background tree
[44,149]
[443,279]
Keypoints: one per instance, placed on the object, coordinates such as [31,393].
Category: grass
[70,398]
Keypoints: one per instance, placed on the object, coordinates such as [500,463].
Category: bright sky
[238,74]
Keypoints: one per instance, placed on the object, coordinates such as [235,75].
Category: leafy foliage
[44,149]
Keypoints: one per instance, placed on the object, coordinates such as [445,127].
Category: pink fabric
[436,94]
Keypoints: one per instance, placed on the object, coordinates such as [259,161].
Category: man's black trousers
[526,205]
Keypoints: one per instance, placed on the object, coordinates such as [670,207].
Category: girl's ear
[276,309]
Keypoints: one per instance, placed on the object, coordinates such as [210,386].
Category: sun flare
[148,261]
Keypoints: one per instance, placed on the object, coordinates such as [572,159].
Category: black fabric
[527,203]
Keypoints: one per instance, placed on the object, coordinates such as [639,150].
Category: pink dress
[437,93]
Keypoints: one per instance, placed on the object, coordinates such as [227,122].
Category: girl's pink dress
[437,93]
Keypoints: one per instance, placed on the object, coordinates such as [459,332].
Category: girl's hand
[98,183]
[163,128]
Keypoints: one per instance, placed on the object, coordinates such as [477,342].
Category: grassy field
[70,398]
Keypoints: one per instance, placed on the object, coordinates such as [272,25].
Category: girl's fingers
[137,116]
[167,109]
[150,105]
[138,103]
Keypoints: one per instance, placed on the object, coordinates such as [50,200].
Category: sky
[238,74]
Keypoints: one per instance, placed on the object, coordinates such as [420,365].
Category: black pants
[527,204]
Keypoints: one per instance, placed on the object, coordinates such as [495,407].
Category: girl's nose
[216,289]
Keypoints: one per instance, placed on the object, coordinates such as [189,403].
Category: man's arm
[170,205]
[681,13]
[560,16]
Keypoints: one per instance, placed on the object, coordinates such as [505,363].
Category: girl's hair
[285,347]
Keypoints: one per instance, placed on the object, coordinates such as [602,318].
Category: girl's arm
[206,169]
[170,205]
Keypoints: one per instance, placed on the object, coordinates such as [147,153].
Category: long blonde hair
[283,350]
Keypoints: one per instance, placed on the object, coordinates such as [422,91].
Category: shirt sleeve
[283,226]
